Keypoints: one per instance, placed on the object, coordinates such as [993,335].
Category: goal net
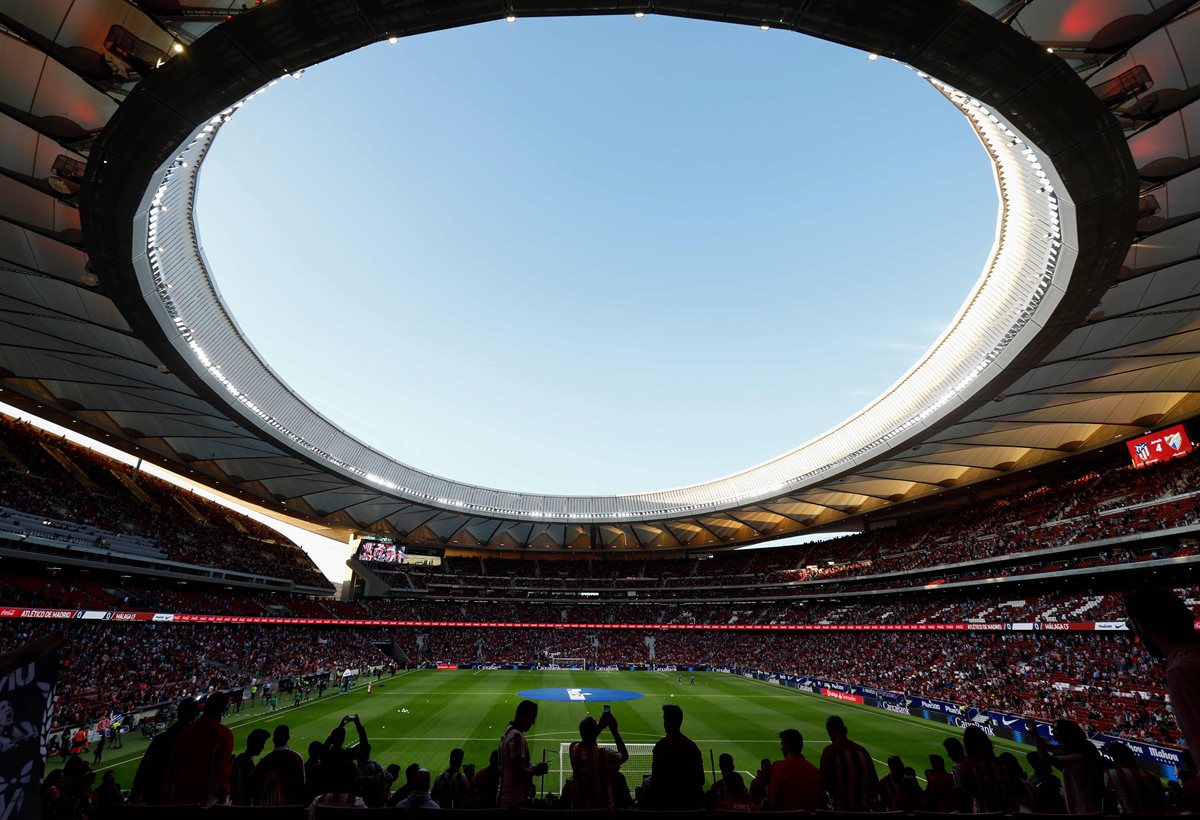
[640,755]
[564,663]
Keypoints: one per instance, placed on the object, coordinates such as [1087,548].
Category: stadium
[951,562]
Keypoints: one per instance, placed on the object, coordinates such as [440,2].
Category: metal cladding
[1104,347]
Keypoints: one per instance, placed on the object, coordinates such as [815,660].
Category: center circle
[580,695]
[595,256]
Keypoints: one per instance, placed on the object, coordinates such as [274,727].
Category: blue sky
[595,255]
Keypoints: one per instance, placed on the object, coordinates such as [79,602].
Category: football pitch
[419,716]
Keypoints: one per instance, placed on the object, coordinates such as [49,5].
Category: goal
[638,765]
[564,663]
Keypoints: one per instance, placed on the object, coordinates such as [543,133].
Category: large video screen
[373,551]
[1173,442]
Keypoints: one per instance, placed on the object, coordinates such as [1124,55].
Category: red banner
[193,618]
[836,695]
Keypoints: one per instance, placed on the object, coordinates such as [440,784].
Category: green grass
[722,712]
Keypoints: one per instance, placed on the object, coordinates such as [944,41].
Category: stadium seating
[58,490]
[131,666]
[84,497]
[69,495]
[1096,679]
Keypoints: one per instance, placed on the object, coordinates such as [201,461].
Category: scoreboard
[380,551]
[1172,442]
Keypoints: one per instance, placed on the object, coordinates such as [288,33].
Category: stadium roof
[1081,329]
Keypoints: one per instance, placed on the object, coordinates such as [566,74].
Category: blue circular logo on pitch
[580,695]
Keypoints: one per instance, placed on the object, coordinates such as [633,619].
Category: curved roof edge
[1037,117]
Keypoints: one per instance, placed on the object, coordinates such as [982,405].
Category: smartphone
[607,709]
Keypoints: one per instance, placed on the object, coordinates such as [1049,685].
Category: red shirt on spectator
[795,784]
[201,764]
[279,779]
[848,775]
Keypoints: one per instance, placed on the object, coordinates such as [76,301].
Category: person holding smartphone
[593,767]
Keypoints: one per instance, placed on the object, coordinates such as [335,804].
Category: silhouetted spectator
[373,791]
[419,797]
[410,779]
[241,790]
[340,777]
[487,782]
[1083,771]
[202,758]
[1165,626]
[847,771]
[716,792]
[152,771]
[336,752]
[911,795]
[622,799]
[676,768]
[939,786]
[736,798]
[983,777]
[593,766]
[516,770]
[73,797]
[367,766]
[108,793]
[312,771]
[1046,785]
[889,784]
[450,788]
[761,784]
[1136,790]
[956,753]
[795,783]
[468,771]
[1024,795]
[279,777]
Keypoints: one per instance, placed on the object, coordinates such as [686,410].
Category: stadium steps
[132,486]
[1090,603]
[237,525]
[70,466]
[189,509]
[228,667]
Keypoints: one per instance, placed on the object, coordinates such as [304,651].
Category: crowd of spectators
[194,762]
[1062,512]
[119,667]
[75,487]
[71,485]
[913,606]
[1096,679]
